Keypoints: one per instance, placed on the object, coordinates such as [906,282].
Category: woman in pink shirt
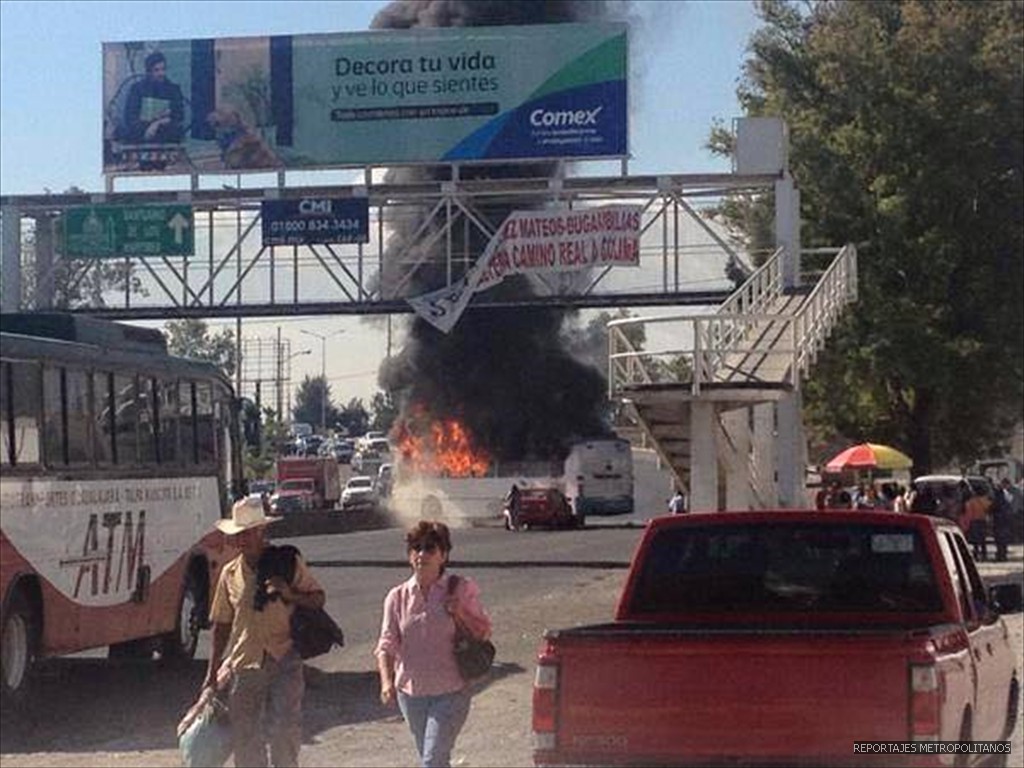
[415,655]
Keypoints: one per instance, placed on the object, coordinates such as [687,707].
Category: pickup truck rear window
[792,567]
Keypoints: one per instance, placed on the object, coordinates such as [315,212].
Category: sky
[686,61]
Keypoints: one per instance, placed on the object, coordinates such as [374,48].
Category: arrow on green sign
[104,231]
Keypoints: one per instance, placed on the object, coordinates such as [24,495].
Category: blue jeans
[435,722]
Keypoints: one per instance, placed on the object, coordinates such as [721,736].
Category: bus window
[53,417]
[6,418]
[148,425]
[206,435]
[187,423]
[167,408]
[126,431]
[103,412]
[21,432]
[76,404]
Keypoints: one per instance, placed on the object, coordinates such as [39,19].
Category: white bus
[116,460]
[598,477]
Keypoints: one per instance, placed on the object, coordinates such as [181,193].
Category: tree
[313,393]
[906,125]
[385,411]
[192,338]
[354,418]
[589,343]
[73,282]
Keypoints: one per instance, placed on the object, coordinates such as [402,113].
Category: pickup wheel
[18,648]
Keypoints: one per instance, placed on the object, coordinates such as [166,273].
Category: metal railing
[721,346]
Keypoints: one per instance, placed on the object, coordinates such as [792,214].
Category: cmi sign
[104,231]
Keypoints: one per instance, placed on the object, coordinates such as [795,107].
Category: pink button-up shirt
[418,633]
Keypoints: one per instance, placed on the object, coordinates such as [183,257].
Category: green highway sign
[101,231]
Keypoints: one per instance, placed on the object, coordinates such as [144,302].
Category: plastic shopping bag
[204,736]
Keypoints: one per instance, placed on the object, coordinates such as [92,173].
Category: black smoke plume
[503,372]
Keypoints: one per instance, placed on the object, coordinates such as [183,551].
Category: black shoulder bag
[473,657]
[313,631]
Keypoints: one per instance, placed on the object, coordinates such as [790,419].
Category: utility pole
[280,359]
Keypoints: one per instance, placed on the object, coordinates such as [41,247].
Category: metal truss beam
[233,275]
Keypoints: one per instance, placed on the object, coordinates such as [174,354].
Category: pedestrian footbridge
[717,395]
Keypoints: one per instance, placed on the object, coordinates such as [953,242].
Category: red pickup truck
[784,638]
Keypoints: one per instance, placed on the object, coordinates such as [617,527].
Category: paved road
[95,713]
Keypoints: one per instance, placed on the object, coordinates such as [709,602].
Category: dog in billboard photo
[240,145]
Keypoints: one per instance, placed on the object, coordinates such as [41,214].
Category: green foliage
[354,417]
[589,343]
[313,403]
[192,338]
[906,126]
[385,411]
[74,283]
[259,460]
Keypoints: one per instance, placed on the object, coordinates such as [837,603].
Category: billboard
[366,98]
[315,221]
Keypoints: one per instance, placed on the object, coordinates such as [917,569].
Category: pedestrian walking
[1002,517]
[251,634]
[415,652]
[973,522]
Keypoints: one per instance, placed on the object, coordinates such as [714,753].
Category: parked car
[365,440]
[296,495]
[378,444]
[366,462]
[535,507]
[343,450]
[312,444]
[262,487]
[359,492]
[384,480]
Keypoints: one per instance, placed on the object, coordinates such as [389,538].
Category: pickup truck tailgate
[669,695]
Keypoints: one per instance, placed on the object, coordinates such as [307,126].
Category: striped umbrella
[869,456]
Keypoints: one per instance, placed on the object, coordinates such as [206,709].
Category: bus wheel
[17,648]
[184,640]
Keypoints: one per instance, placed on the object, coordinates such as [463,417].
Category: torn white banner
[540,242]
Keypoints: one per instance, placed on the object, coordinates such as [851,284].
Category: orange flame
[439,446]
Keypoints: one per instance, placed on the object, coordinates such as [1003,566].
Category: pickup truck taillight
[925,702]
[545,702]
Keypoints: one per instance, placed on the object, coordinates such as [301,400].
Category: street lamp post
[280,377]
[323,372]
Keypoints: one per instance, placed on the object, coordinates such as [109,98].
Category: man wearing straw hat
[255,643]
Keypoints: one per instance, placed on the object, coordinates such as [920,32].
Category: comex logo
[566,118]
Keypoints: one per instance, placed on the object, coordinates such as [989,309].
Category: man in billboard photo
[154,112]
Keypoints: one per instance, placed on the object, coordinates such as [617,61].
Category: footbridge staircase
[706,390]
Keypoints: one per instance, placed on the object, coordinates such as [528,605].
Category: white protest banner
[532,242]
[443,308]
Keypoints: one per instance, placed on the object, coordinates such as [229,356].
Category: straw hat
[245,514]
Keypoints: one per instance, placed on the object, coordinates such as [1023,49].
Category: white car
[359,492]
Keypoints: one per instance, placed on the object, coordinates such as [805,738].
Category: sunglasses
[427,548]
